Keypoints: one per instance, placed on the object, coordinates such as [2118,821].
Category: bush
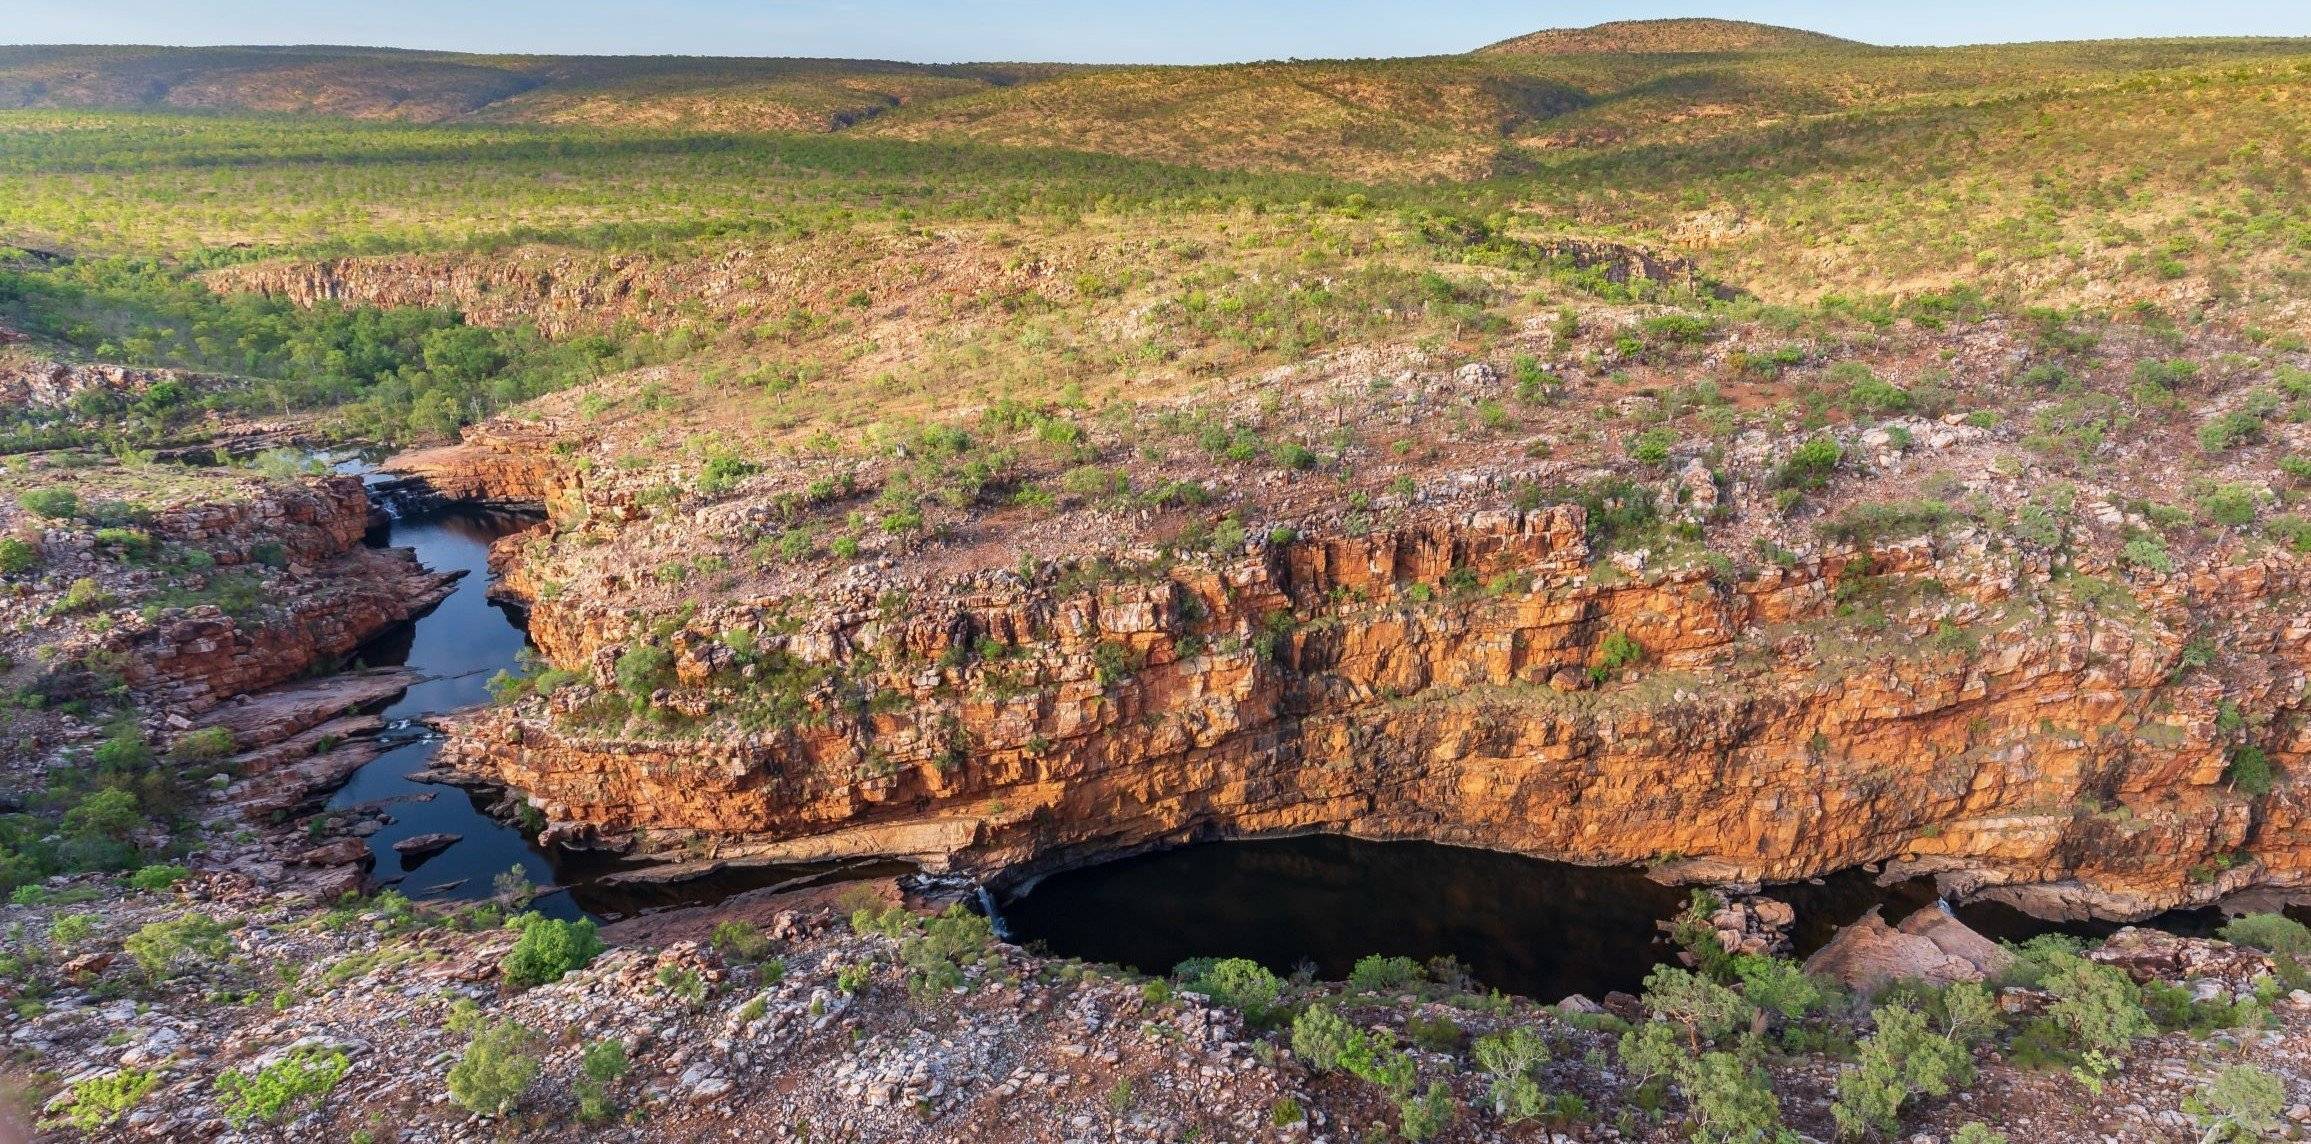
[497,1069]
[158,877]
[549,948]
[1896,520]
[1810,465]
[206,745]
[53,503]
[307,1071]
[1320,1037]
[1422,1117]
[740,939]
[2249,771]
[603,1063]
[2271,933]
[2147,552]
[1513,1060]
[100,1100]
[2222,432]
[2098,1007]
[1240,983]
[1901,1060]
[1377,974]
[643,669]
[165,949]
[17,556]
[2242,1103]
[1731,1101]
[84,595]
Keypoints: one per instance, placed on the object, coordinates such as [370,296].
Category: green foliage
[497,1069]
[158,877]
[1238,983]
[269,1092]
[739,939]
[53,501]
[1875,522]
[2147,552]
[17,556]
[2271,933]
[2242,1102]
[1423,1117]
[1377,974]
[1902,1060]
[1320,1036]
[1810,465]
[2250,771]
[1777,986]
[1704,1009]
[2225,431]
[1976,1132]
[166,949]
[548,948]
[2097,1006]
[602,1063]
[644,668]
[1731,1101]
[1513,1060]
[100,1100]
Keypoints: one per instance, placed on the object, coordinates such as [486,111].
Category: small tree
[166,949]
[548,949]
[1320,1037]
[497,1069]
[2242,1103]
[1731,1101]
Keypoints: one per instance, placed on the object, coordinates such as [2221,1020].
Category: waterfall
[994,916]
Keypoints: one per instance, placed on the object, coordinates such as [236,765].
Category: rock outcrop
[1929,945]
[1470,680]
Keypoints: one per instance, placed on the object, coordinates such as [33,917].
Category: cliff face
[1952,707]
[331,595]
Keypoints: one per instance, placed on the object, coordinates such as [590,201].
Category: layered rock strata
[1476,680]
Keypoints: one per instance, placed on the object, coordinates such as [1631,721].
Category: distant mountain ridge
[433,87]
[1666,37]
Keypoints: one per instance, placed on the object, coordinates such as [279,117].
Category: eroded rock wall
[1456,680]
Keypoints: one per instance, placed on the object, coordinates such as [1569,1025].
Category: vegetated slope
[1645,37]
[1384,119]
[435,87]
[1498,113]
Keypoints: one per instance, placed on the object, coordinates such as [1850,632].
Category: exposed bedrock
[1455,679]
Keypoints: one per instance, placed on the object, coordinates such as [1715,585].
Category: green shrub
[1239,983]
[205,745]
[602,1064]
[166,949]
[1777,986]
[1423,1117]
[740,939]
[2271,933]
[2250,772]
[1513,1060]
[643,668]
[84,595]
[549,948]
[100,1100]
[1901,1060]
[1320,1036]
[2224,431]
[2147,552]
[1810,465]
[497,1070]
[306,1071]
[1731,1101]
[2098,1007]
[158,877]
[17,556]
[2242,1103]
[1377,974]
[55,503]
[1705,1010]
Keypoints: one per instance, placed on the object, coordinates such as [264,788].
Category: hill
[439,87]
[1665,37]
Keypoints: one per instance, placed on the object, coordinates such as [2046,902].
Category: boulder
[1870,954]
[342,852]
[425,845]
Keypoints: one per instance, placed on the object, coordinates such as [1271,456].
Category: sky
[1081,31]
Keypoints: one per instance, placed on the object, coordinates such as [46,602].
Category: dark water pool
[1522,925]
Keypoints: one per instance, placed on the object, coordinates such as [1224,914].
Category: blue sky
[1147,31]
